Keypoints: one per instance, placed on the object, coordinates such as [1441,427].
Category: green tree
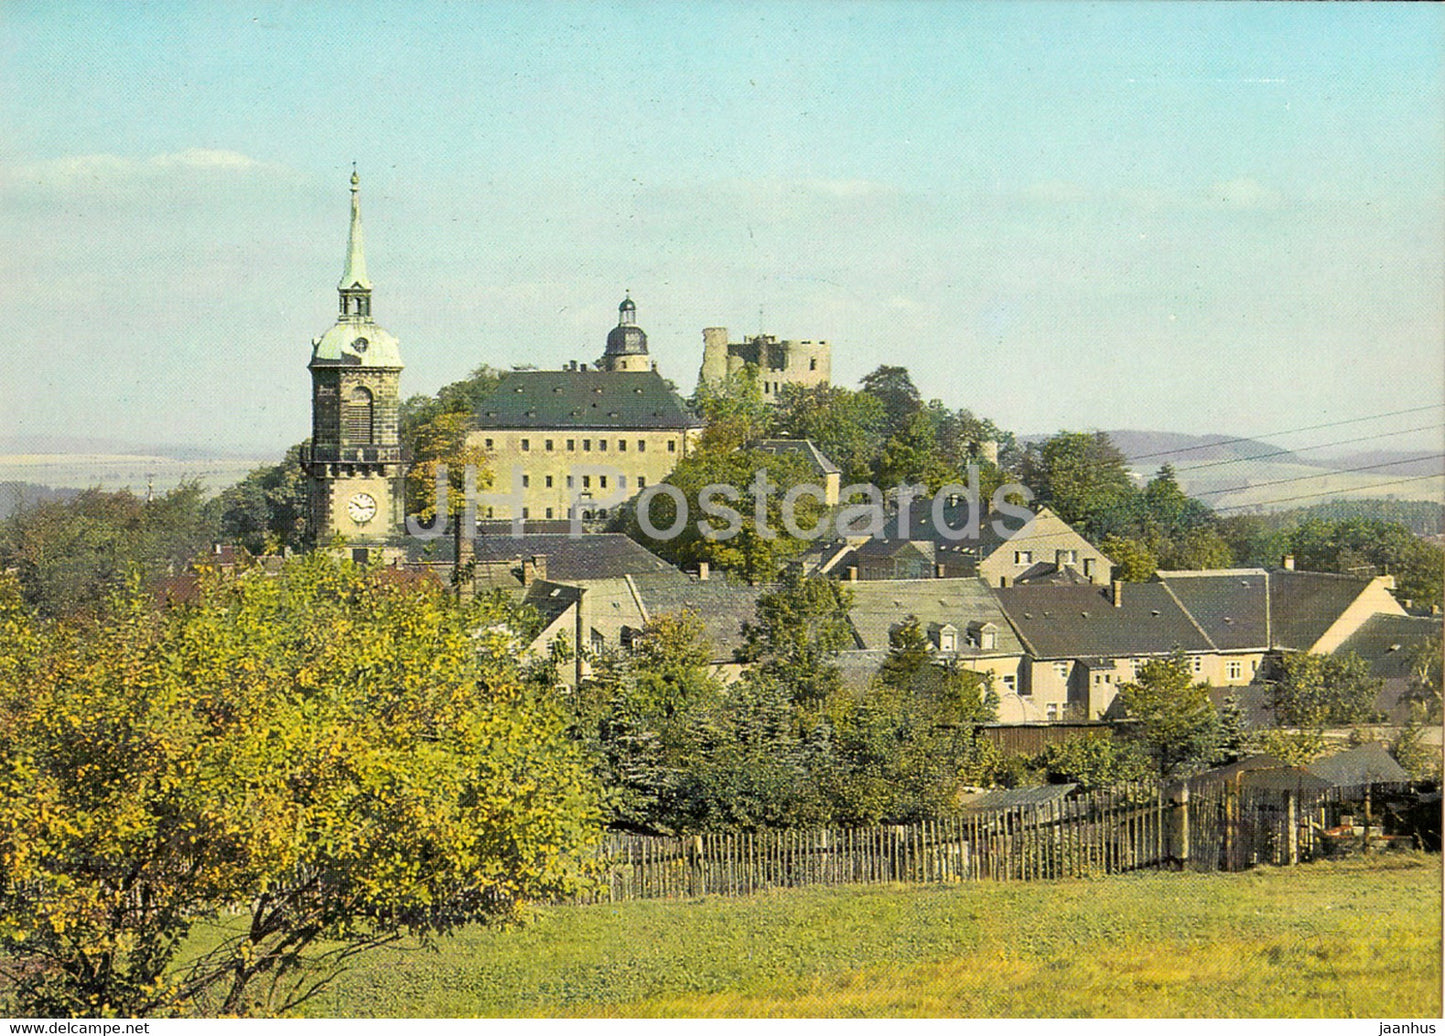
[1133,561]
[734,411]
[1323,690]
[443,440]
[801,625]
[911,456]
[894,389]
[1423,690]
[71,555]
[1175,723]
[847,426]
[1095,762]
[270,509]
[463,397]
[1082,477]
[345,758]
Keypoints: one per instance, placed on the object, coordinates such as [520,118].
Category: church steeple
[355,286]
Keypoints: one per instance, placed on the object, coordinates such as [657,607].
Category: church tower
[355,462]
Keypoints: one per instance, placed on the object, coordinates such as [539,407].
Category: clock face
[360,345]
[362,508]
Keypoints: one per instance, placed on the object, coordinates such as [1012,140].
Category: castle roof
[639,400]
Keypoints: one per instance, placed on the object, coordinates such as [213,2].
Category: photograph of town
[737,510]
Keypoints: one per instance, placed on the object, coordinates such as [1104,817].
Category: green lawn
[1325,939]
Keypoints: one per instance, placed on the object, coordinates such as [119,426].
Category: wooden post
[1292,829]
[1181,807]
[1368,816]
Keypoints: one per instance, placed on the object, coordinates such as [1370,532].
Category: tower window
[526,445]
[356,415]
[549,481]
[812,365]
[641,482]
[526,481]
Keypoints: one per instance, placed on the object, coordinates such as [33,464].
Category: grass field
[1327,939]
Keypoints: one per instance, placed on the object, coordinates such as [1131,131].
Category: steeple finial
[353,277]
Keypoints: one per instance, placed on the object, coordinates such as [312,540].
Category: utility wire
[1287,431]
[1326,474]
[1306,449]
[1327,492]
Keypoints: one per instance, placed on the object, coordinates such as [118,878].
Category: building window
[602,445]
[489,512]
[571,445]
[548,445]
[621,445]
[1010,684]
[641,482]
[601,513]
[549,481]
[356,416]
[602,481]
[586,481]
[1051,711]
[812,365]
[569,481]
[641,445]
[526,481]
[526,513]
[1234,670]
[549,512]
[526,445]
[672,446]
[1068,557]
[586,445]
[621,481]
[1023,557]
[1061,670]
[1197,664]
[488,443]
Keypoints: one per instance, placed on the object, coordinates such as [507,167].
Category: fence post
[1181,827]
[1292,827]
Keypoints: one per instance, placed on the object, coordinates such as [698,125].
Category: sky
[1213,218]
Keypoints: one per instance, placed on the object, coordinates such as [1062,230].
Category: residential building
[826,475]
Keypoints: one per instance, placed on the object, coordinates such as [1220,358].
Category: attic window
[1228,621]
[1394,647]
[1083,615]
[517,389]
[556,388]
[1029,615]
[1154,612]
[638,391]
[1244,582]
[597,391]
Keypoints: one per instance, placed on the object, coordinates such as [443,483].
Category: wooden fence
[1207,828]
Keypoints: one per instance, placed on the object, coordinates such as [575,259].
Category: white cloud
[100,169]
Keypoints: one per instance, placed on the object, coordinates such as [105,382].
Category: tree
[463,397]
[911,456]
[1323,690]
[270,509]
[847,426]
[1133,561]
[734,411]
[1423,690]
[1082,477]
[894,389]
[1175,723]
[71,555]
[801,626]
[1095,762]
[443,440]
[347,757]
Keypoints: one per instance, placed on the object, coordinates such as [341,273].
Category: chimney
[1287,562]
[534,568]
[938,570]
[852,573]
[1117,592]
[702,571]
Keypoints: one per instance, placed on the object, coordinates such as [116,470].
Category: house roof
[880,605]
[807,449]
[1363,765]
[1389,642]
[584,400]
[723,607]
[602,555]
[1230,605]
[1012,798]
[1304,605]
[1082,621]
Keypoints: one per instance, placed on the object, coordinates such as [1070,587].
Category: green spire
[354,275]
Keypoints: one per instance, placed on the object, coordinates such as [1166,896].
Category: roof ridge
[1190,615]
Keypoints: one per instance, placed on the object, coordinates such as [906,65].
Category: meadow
[1354,938]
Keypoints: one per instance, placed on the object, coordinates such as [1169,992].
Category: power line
[1326,474]
[1327,492]
[1287,431]
[1306,449]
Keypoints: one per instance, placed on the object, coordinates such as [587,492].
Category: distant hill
[1158,448]
[14,495]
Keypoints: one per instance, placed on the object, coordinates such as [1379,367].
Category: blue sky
[1188,217]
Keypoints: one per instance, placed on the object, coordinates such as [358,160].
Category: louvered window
[356,416]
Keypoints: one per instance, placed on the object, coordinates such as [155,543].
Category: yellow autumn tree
[443,440]
[340,758]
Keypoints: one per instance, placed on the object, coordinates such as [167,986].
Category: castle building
[355,458]
[776,363]
[598,436]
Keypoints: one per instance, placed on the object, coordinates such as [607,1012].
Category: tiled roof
[1389,642]
[879,605]
[805,448]
[1082,621]
[1012,798]
[583,400]
[1363,765]
[1229,604]
[1303,605]
[601,555]
[722,606]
